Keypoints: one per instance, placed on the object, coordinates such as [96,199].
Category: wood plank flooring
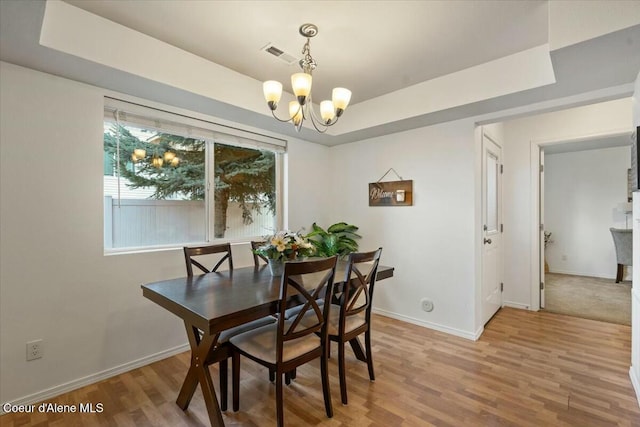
[528,369]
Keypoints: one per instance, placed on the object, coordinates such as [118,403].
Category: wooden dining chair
[289,343]
[222,351]
[623,243]
[352,316]
[191,252]
[257,257]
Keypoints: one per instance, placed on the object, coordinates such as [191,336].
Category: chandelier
[169,157]
[302,109]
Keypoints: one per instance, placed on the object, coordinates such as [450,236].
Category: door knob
[487,241]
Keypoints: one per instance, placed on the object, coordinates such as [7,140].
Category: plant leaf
[342,227]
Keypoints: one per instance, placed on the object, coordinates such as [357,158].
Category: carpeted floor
[588,297]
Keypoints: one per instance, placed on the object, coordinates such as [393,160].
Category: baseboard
[430,325]
[635,381]
[517,305]
[579,273]
[94,378]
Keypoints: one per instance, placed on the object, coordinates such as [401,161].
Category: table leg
[199,373]
[191,380]
[357,349]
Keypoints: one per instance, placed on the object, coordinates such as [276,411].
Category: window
[171,180]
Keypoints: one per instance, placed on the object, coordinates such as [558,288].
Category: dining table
[216,301]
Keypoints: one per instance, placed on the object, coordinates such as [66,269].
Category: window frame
[212,133]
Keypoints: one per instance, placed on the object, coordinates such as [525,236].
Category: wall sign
[391,193]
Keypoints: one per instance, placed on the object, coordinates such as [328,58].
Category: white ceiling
[595,143]
[381,50]
[370,47]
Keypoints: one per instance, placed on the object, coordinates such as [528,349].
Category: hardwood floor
[528,369]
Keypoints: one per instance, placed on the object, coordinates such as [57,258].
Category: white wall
[634,371]
[55,282]
[583,191]
[431,244]
[519,215]
[57,285]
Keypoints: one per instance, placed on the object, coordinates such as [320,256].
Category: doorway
[583,193]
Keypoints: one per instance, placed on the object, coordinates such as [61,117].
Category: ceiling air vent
[280,54]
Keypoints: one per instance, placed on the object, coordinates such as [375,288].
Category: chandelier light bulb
[327,111]
[168,156]
[341,98]
[272,93]
[175,161]
[295,112]
[301,84]
[140,153]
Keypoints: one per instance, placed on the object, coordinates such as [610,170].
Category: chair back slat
[310,302]
[196,251]
[257,257]
[359,281]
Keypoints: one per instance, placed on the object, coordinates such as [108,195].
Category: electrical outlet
[35,350]
[426,304]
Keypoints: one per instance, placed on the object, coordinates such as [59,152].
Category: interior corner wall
[519,217]
[634,371]
[430,244]
[583,194]
[56,284]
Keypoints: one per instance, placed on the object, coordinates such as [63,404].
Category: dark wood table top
[216,301]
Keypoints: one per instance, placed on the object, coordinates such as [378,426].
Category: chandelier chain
[308,64]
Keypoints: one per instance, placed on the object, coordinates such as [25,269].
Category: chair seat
[226,335]
[351,322]
[261,343]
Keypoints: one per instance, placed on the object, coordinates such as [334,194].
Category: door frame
[536,147]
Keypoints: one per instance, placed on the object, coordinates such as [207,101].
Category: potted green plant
[339,239]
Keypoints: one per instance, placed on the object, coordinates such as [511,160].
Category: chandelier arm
[310,116]
[273,113]
[314,116]
[313,122]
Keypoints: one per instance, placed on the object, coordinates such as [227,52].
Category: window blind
[164,121]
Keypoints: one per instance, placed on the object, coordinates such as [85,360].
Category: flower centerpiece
[284,246]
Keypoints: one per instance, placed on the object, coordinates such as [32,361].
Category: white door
[541,236]
[492,227]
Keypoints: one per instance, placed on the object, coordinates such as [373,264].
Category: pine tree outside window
[168,183]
